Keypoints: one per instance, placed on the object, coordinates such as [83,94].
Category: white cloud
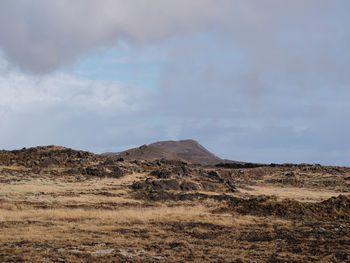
[60,108]
[20,92]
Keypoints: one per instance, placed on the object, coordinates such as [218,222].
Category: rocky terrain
[63,205]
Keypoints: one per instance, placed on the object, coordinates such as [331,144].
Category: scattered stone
[159,258]
[103,252]
[126,253]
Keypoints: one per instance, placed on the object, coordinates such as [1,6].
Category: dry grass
[51,219]
[60,184]
[139,215]
[91,199]
[300,194]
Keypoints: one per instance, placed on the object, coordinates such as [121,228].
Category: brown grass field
[54,217]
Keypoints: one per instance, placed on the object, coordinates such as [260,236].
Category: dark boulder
[117,172]
[181,170]
[213,175]
[50,161]
[156,185]
[137,185]
[161,173]
[171,184]
[231,186]
[93,171]
[109,161]
[188,186]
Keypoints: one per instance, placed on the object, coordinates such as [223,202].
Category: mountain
[186,150]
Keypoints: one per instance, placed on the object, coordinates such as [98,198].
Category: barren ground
[53,212]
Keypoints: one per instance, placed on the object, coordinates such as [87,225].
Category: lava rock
[50,161]
[231,186]
[171,184]
[188,186]
[162,173]
[215,176]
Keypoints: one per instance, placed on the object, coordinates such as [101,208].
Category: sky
[251,80]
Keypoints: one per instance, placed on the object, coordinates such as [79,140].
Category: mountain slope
[186,150]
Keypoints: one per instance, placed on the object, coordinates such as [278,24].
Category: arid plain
[62,205]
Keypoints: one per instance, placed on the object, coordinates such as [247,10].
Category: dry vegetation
[275,214]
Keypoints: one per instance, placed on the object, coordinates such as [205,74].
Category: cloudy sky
[251,80]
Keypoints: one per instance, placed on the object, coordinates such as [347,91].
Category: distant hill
[186,150]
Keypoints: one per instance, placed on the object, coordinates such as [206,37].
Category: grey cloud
[41,35]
